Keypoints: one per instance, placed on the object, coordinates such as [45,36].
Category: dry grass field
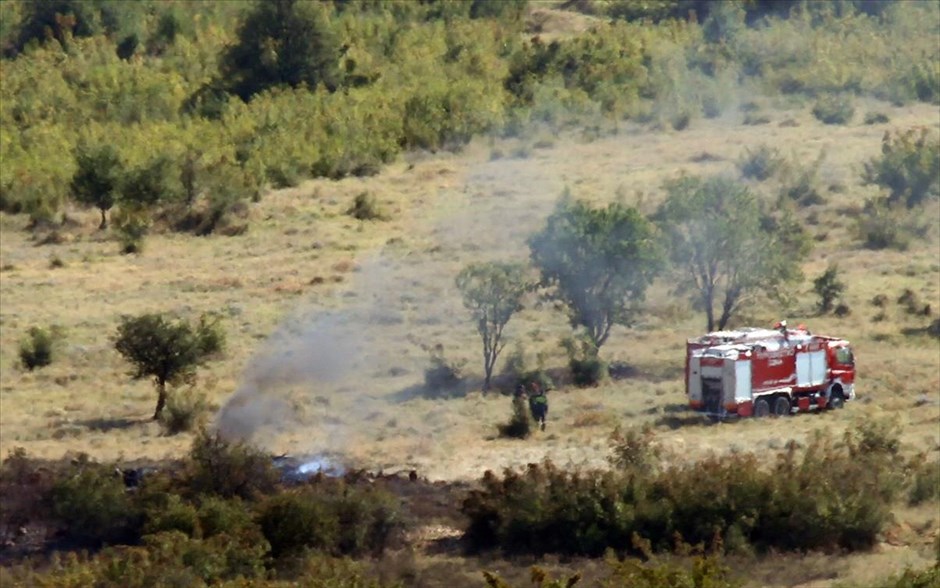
[329,319]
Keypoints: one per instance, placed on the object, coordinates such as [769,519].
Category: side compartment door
[803,369]
[742,381]
[817,363]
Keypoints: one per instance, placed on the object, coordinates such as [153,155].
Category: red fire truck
[760,372]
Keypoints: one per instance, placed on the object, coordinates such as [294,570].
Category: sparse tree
[493,293]
[600,261]
[96,181]
[725,248]
[169,350]
[909,167]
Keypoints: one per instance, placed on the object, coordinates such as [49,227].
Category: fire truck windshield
[844,356]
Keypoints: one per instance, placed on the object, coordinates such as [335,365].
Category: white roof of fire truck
[750,337]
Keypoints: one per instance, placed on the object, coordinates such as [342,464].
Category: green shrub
[170,513]
[36,350]
[220,516]
[800,183]
[93,505]
[519,425]
[834,109]
[584,363]
[831,495]
[909,167]
[876,118]
[332,517]
[761,163]
[228,469]
[366,207]
[926,484]
[634,450]
[829,288]
[882,225]
[185,410]
[131,227]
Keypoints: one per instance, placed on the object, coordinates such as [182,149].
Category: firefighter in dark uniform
[538,404]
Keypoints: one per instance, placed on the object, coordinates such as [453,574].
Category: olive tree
[167,349]
[599,261]
[493,293]
[725,248]
[97,180]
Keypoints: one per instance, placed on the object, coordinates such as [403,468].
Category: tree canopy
[282,42]
[599,261]
[97,180]
[725,248]
[167,349]
[493,293]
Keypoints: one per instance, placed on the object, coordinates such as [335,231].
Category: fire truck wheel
[761,408]
[837,400]
[782,406]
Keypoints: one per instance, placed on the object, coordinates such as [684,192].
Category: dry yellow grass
[348,381]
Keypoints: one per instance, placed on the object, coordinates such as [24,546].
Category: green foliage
[584,363]
[229,468]
[131,226]
[829,288]
[599,261]
[170,513]
[150,183]
[519,425]
[186,410]
[725,249]
[634,450]
[834,110]
[366,207]
[926,483]
[36,349]
[166,349]
[882,225]
[93,505]
[493,293]
[830,495]
[282,42]
[335,518]
[96,181]
[761,164]
[706,572]
[909,167]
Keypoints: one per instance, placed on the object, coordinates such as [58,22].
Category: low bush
[36,349]
[828,288]
[634,450]
[330,516]
[519,425]
[366,207]
[93,506]
[909,167]
[834,109]
[185,410]
[761,163]
[832,495]
[925,485]
[584,363]
[228,469]
[882,225]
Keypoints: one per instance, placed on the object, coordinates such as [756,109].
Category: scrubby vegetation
[831,495]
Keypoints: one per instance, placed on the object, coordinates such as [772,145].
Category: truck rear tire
[837,400]
[761,408]
[782,406]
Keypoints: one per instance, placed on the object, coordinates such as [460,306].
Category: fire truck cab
[760,372]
